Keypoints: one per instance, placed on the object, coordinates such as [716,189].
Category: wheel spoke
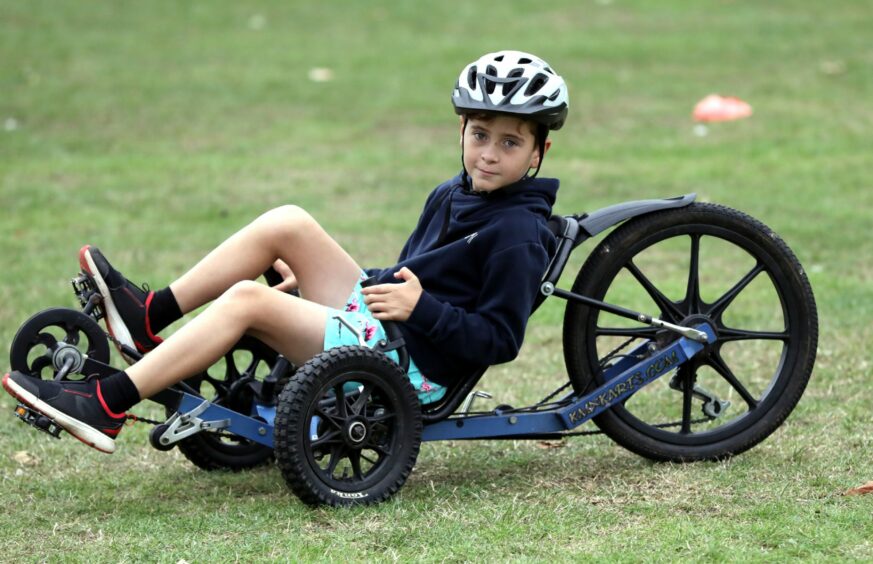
[726,335]
[687,395]
[668,308]
[329,418]
[381,449]
[361,401]
[231,372]
[252,367]
[341,407]
[334,460]
[381,418]
[723,302]
[720,366]
[368,459]
[638,332]
[38,364]
[331,437]
[72,337]
[692,288]
[355,459]
[46,339]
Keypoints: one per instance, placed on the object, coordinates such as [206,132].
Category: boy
[462,289]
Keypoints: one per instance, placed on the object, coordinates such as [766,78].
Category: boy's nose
[489,154]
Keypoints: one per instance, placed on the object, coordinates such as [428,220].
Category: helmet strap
[465,177]
[542,135]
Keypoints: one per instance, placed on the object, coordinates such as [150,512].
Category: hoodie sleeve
[494,332]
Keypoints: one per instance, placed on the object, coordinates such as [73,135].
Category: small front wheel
[348,428]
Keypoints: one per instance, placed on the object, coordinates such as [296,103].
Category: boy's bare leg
[325,273]
[289,325]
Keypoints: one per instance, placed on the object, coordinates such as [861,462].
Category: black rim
[36,341]
[726,369]
[234,384]
[352,430]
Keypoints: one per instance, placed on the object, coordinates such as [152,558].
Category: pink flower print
[425,387]
[369,331]
[353,305]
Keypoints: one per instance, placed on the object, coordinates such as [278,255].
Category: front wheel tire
[348,428]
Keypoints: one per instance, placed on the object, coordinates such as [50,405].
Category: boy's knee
[289,220]
[242,298]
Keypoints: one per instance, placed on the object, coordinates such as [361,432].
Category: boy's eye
[479,136]
[509,143]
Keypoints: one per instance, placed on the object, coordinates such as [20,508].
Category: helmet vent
[490,84]
[524,61]
[514,73]
[471,78]
[499,58]
[554,95]
[536,84]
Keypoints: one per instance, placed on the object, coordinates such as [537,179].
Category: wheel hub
[697,319]
[356,432]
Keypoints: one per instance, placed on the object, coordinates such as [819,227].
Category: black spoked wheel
[703,263]
[234,383]
[55,338]
[348,428]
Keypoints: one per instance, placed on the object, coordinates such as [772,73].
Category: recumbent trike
[345,428]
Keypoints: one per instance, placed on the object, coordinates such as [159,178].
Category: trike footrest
[38,420]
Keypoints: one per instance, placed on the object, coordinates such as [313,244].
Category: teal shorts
[356,314]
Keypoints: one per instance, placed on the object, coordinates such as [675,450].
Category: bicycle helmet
[513,82]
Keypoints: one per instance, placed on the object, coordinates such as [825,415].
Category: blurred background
[155,129]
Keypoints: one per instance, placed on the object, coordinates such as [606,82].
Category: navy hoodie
[480,258]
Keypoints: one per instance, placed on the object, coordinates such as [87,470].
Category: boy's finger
[377,289]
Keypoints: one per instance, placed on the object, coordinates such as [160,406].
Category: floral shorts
[356,314]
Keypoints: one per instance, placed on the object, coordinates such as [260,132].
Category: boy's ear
[535,162]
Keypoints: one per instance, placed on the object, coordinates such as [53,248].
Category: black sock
[163,310]
[118,392]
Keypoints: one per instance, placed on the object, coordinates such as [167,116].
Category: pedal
[38,420]
[88,295]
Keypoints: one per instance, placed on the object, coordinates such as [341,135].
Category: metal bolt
[513,420]
[262,431]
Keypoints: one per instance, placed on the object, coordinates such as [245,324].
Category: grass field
[155,129]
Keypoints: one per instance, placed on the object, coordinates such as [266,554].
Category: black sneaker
[77,407]
[125,304]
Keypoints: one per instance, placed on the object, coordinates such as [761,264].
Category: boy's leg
[325,272]
[290,325]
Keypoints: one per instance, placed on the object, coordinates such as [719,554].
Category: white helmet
[512,82]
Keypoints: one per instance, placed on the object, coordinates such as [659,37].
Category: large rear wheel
[699,263]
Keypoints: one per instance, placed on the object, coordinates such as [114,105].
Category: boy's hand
[289,281]
[394,302]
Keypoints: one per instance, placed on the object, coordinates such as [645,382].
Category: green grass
[156,129]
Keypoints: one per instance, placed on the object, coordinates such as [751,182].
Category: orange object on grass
[721,108]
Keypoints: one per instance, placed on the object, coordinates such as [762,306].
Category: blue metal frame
[624,378]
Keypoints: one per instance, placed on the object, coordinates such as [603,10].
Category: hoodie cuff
[426,313]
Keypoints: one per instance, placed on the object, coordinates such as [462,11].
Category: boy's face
[498,150]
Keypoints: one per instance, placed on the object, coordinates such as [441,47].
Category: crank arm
[712,405]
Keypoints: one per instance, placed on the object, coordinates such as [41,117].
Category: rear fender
[605,218]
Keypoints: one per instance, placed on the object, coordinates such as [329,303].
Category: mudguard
[605,218]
